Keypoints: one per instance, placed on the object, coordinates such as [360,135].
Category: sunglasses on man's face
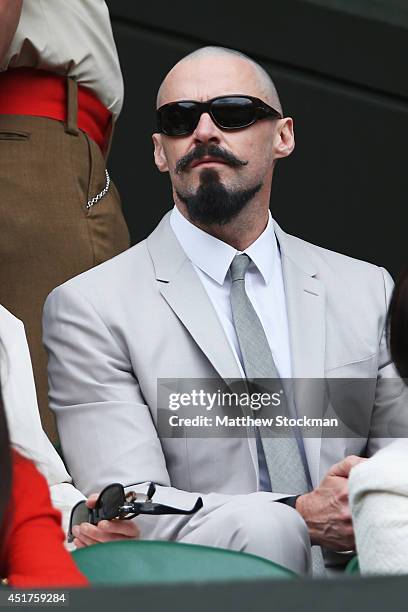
[232,112]
[114,503]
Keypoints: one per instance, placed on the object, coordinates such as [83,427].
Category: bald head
[213,71]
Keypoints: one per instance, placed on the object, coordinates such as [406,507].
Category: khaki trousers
[48,172]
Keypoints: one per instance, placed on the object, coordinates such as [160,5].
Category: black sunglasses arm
[157,509]
[267,111]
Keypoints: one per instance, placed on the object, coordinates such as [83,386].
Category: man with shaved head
[219,292]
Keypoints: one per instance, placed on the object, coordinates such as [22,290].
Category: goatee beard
[213,203]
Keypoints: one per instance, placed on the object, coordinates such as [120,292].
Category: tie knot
[239,266]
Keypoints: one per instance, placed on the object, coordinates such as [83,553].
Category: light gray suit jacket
[114,330]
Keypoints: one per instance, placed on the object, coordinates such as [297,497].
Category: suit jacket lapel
[305,302]
[182,289]
[185,294]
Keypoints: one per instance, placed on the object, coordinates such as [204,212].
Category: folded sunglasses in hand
[114,503]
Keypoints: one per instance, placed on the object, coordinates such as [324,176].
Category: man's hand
[326,509]
[106,531]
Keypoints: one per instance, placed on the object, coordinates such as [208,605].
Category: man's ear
[284,141]
[159,155]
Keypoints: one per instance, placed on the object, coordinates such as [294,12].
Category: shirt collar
[214,257]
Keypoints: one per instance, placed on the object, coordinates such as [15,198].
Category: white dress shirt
[70,37]
[264,285]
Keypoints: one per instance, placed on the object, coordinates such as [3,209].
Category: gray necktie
[282,455]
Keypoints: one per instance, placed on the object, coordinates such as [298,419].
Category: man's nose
[206,130]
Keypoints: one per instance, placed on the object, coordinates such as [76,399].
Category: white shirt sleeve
[378,490]
[20,404]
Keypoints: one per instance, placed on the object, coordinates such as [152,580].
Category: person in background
[31,540]
[378,488]
[26,434]
[24,424]
[61,94]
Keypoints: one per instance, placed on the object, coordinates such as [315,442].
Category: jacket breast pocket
[351,396]
[366,367]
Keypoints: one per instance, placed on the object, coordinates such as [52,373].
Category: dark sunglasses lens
[80,514]
[233,112]
[111,499]
[179,119]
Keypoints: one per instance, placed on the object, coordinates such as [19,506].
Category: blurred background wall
[341,70]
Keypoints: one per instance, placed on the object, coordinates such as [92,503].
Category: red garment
[35,554]
[38,93]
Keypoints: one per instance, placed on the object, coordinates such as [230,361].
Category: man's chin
[213,203]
